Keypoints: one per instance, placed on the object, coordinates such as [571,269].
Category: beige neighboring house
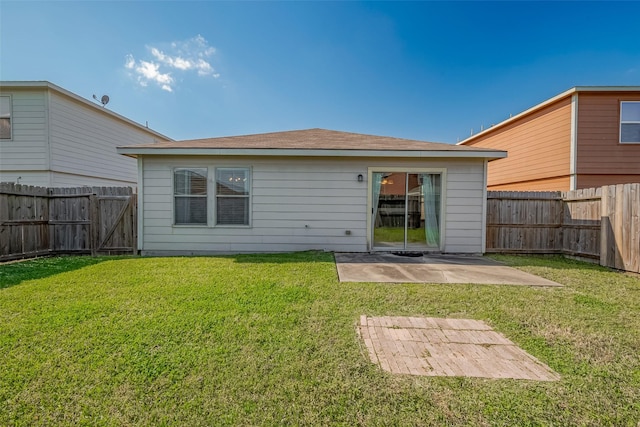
[54,138]
[585,137]
[310,189]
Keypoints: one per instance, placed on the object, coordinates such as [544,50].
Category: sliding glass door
[406,211]
[389,209]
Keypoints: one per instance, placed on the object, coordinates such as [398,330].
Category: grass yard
[271,340]
[396,234]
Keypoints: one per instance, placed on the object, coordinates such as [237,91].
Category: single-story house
[310,189]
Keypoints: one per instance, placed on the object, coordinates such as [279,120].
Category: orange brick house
[584,137]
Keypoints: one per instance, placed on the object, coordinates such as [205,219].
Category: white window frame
[636,122]
[249,196]
[9,97]
[175,196]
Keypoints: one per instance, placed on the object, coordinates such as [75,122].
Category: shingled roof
[309,140]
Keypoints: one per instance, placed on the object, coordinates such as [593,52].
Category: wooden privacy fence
[602,224]
[38,221]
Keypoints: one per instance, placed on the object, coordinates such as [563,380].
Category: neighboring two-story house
[584,137]
[54,138]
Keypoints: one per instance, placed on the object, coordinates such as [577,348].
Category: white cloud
[178,56]
[150,71]
[130,62]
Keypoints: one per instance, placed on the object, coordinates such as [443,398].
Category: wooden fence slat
[520,221]
[634,228]
[110,230]
[582,222]
[94,227]
[617,228]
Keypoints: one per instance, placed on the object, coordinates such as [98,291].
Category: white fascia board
[134,151]
[607,88]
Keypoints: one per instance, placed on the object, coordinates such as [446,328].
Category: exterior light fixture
[360,178]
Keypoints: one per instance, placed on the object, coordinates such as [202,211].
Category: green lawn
[271,340]
[396,234]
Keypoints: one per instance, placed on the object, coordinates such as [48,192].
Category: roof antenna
[104,100]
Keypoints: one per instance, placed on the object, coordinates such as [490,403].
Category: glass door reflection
[406,210]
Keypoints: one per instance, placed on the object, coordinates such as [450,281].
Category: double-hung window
[190,196]
[5,117]
[232,196]
[630,122]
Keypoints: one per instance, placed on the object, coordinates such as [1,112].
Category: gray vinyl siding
[302,204]
[28,148]
[60,141]
[84,141]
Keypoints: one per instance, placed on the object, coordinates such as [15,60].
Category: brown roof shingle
[309,139]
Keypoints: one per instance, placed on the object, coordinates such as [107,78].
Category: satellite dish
[104,100]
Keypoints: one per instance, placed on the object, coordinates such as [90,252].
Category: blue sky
[420,70]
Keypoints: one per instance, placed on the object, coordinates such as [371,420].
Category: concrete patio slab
[391,268]
[447,347]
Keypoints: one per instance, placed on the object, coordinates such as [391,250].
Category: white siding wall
[84,141]
[28,149]
[57,141]
[301,204]
[464,207]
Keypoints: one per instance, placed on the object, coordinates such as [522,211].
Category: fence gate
[114,230]
[36,221]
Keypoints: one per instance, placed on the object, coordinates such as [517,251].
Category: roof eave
[50,86]
[550,101]
[519,115]
[137,151]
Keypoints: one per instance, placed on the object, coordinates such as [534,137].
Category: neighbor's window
[190,196]
[232,196]
[630,122]
[5,117]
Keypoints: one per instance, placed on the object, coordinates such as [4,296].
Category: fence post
[94,213]
[134,223]
[560,245]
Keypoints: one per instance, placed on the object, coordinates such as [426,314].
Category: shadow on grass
[284,257]
[14,273]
